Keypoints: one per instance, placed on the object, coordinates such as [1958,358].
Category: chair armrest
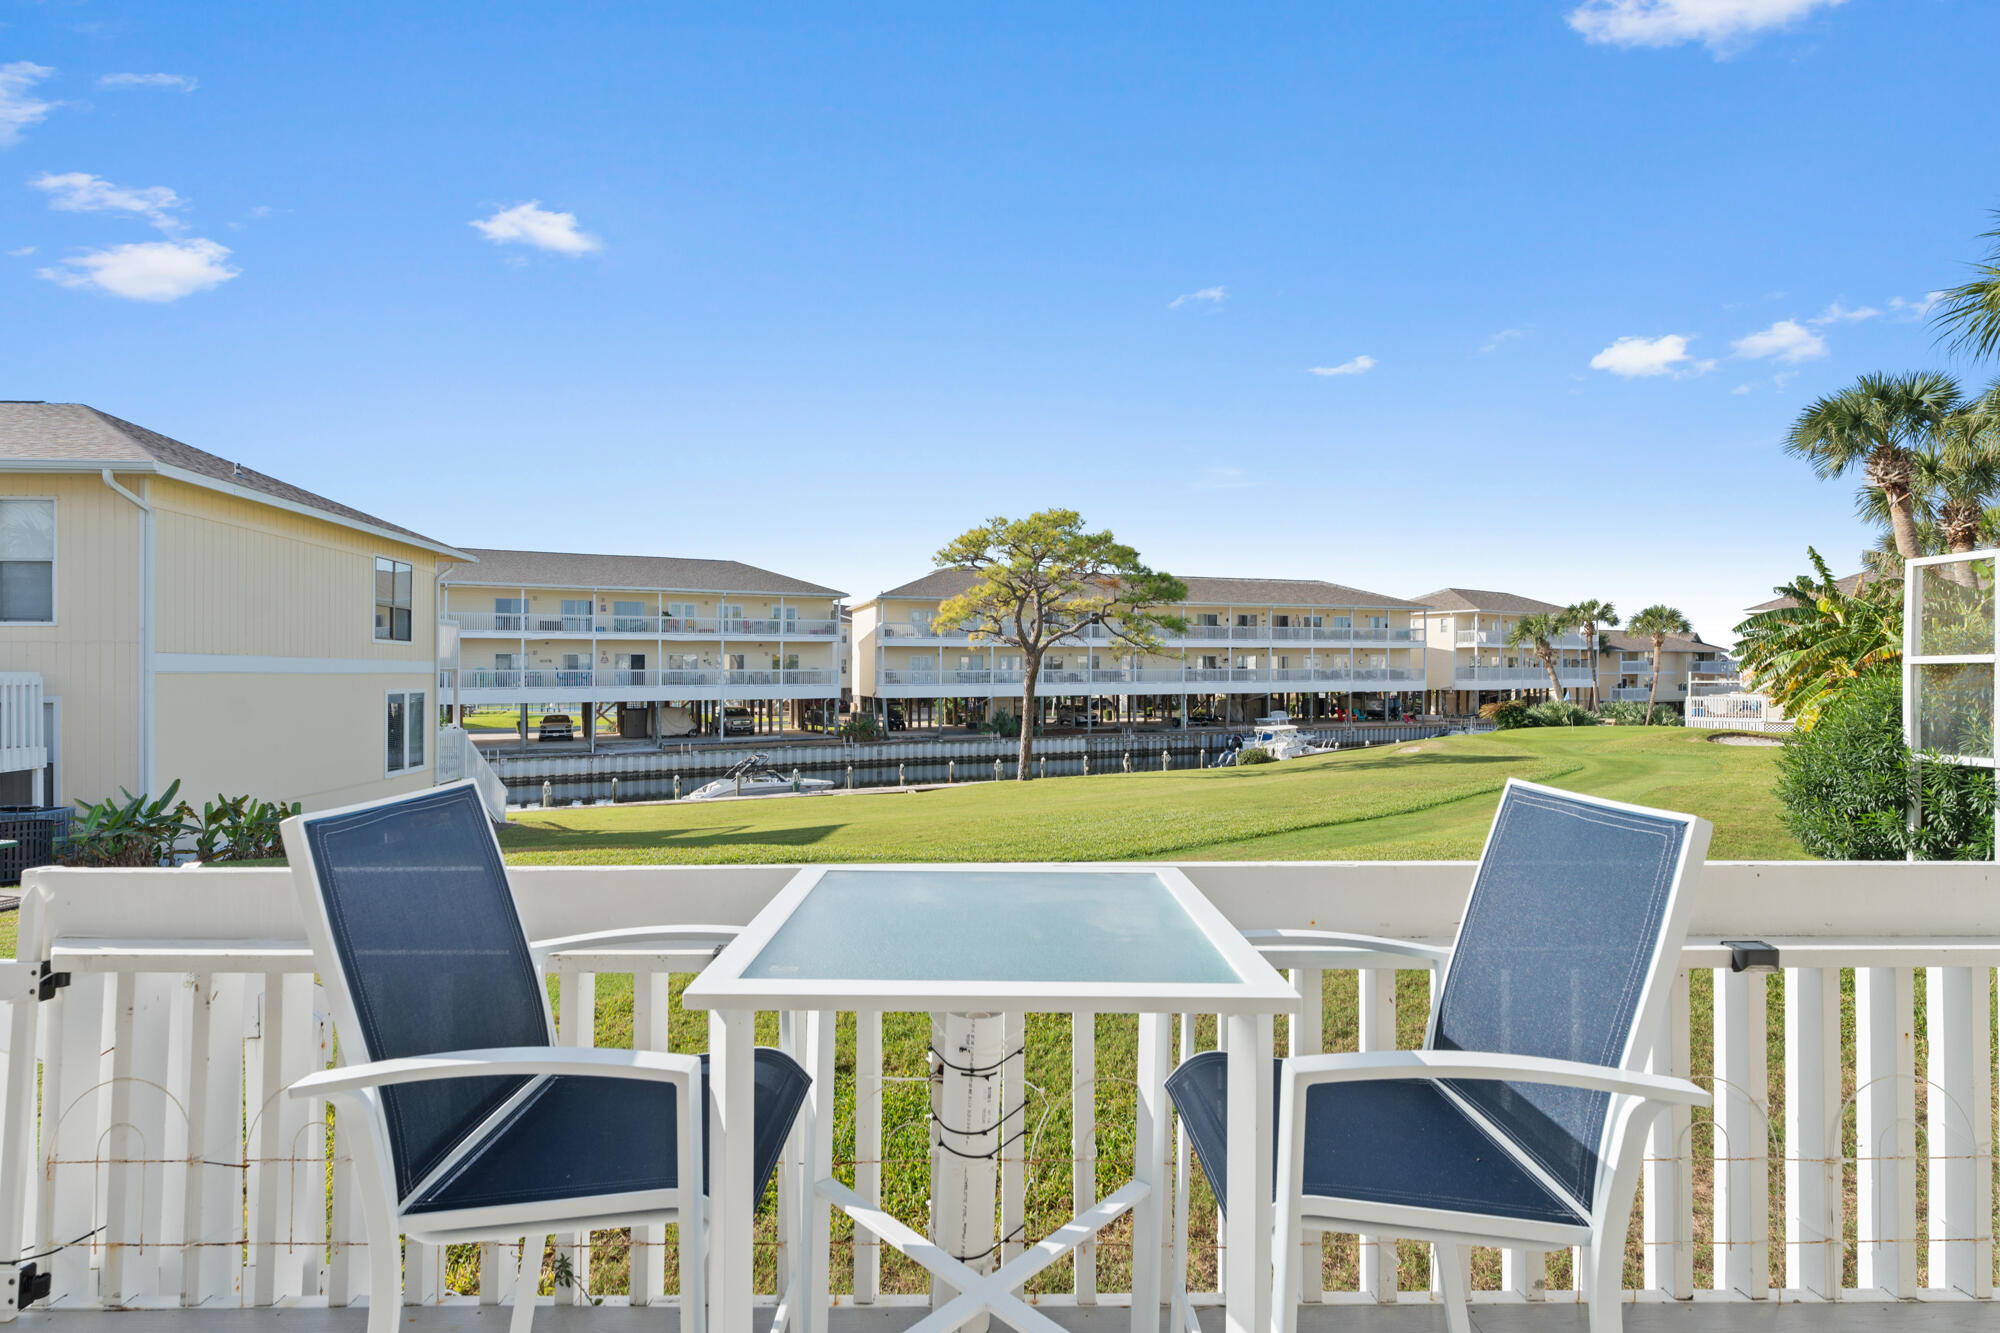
[502,1062]
[1282,947]
[1367,1066]
[677,938]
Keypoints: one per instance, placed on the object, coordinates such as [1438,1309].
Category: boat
[752,777]
[1279,737]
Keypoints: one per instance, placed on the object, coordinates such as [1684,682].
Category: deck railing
[149,1150]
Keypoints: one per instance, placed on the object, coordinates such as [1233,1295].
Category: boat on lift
[753,777]
[1279,737]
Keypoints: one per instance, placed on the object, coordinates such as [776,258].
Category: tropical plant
[1507,714]
[1846,785]
[1654,624]
[1954,480]
[861,727]
[1589,617]
[1560,713]
[1801,655]
[1540,632]
[133,831]
[1879,424]
[1968,315]
[1254,754]
[1043,581]
[239,828]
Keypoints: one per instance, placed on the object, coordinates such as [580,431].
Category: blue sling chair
[1523,1120]
[466,1121]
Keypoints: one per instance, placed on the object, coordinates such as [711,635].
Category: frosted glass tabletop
[992,925]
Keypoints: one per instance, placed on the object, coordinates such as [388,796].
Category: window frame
[376,603]
[410,730]
[55,553]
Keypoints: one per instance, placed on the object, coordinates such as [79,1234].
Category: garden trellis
[1951,663]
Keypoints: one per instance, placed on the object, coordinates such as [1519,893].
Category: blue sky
[817,289]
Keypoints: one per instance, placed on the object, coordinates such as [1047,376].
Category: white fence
[153,1161]
[1736,712]
[22,745]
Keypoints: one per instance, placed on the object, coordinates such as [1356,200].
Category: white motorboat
[1279,737]
[753,778]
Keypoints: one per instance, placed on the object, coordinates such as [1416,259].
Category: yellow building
[1469,661]
[175,615]
[1625,666]
[670,646]
[1315,649]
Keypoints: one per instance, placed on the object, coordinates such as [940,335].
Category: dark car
[737,722]
[557,727]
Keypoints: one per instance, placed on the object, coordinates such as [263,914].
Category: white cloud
[531,224]
[1641,358]
[1721,25]
[1360,365]
[81,192]
[1743,388]
[1783,377]
[148,271]
[1501,338]
[179,83]
[1215,295]
[1788,340]
[1916,309]
[1840,314]
[19,108]
[1222,479]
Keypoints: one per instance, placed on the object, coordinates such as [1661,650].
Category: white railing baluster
[220,1240]
[1304,1037]
[1183,1164]
[201,999]
[651,992]
[1669,1204]
[1083,1140]
[868,1149]
[1014,1156]
[82,1106]
[1960,1107]
[1742,1136]
[1886,1128]
[265,1086]
[576,1025]
[123,1147]
[1378,1033]
[1813,1225]
[301,1266]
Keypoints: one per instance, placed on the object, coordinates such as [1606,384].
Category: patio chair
[1523,1120]
[465,1119]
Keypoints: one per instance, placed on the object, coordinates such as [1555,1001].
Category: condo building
[1625,666]
[661,646]
[1470,661]
[1251,646]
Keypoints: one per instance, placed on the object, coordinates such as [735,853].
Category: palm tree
[1656,623]
[1953,482]
[1969,314]
[1802,655]
[1880,424]
[1540,632]
[1588,617]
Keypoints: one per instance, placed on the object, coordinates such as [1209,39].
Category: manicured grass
[1428,800]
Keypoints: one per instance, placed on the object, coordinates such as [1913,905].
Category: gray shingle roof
[1481,599]
[666,573]
[1636,644]
[942,583]
[82,435]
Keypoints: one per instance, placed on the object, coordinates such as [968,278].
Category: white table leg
[1149,1167]
[1248,1262]
[817,1233]
[731,1210]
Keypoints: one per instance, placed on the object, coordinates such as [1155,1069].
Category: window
[1207,618]
[503,661]
[1378,622]
[1245,620]
[683,661]
[628,617]
[733,661]
[507,612]
[572,661]
[393,583]
[406,724]
[1281,622]
[28,561]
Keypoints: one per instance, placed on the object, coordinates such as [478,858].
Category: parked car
[557,727]
[737,722]
[894,720]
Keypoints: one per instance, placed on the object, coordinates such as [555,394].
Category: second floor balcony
[515,624]
[544,681]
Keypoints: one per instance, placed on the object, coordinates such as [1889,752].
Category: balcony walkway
[1718,1316]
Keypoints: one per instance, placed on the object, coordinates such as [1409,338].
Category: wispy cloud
[19,107]
[173,83]
[1215,295]
[1916,309]
[81,192]
[1723,26]
[1840,314]
[156,271]
[531,224]
[1743,388]
[1501,339]
[1788,340]
[1636,358]
[1360,365]
[1222,479]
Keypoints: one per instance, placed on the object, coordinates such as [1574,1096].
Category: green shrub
[860,727]
[136,831]
[1845,785]
[1508,713]
[1254,754]
[1004,723]
[1561,713]
[1631,713]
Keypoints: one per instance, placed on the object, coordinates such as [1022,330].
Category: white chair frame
[356,1091]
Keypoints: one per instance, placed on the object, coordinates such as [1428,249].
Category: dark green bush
[1508,713]
[1561,713]
[1254,754]
[1632,713]
[1845,786]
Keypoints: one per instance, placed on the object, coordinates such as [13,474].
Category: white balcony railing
[539,623]
[1529,677]
[1633,694]
[147,1094]
[613,678]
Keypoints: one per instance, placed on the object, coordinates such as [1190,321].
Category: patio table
[986,939]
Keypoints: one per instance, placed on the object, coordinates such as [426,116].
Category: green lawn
[1431,800]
